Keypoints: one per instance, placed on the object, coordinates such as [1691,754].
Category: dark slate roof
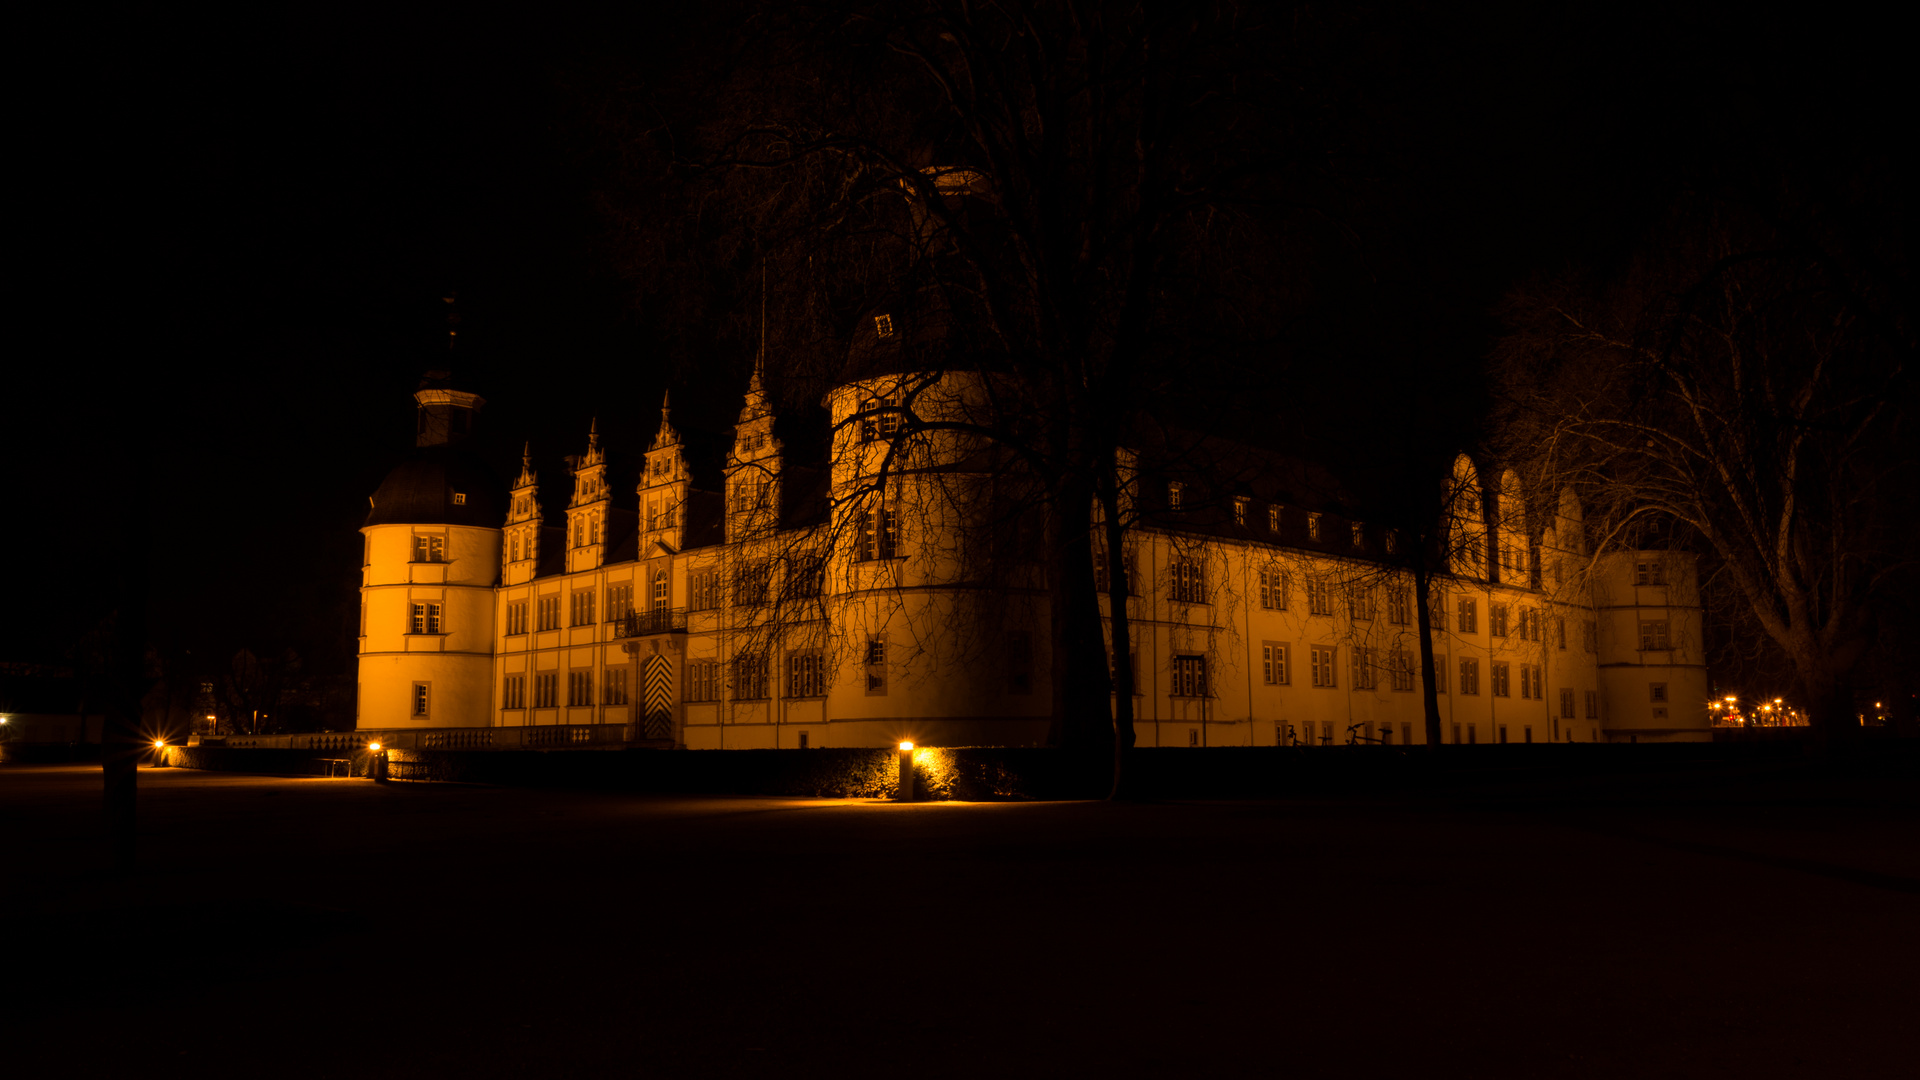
[420,491]
[934,329]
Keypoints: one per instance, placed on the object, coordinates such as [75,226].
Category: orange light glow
[159,744]
[906,746]
[373,746]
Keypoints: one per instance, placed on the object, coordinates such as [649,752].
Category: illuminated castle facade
[880,594]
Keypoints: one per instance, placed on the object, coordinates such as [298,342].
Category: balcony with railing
[654,621]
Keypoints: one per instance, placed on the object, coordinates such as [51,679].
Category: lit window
[1313,527]
[1470,676]
[1189,676]
[1273,519]
[1322,657]
[1240,511]
[459,498]
[883,326]
[1174,489]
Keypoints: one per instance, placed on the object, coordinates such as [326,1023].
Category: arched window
[659,589]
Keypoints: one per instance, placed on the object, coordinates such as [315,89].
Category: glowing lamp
[373,746]
[906,746]
[905,791]
[159,744]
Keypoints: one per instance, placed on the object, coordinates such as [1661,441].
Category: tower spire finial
[760,358]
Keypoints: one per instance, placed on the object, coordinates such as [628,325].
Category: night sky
[295,196]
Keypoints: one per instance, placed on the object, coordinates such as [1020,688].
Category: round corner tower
[431,560]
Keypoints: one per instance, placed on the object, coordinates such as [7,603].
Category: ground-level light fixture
[905,793]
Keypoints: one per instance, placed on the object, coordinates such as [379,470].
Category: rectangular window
[517,617]
[1440,673]
[806,577]
[619,602]
[420,690]
[1560,631]
[1657,692]
[547,608]
[880,417]
[1469,616]
[1469,676]
[579,688]
[1189,676]
[1359,536]
[1273,664]
[1189,581]
[582,603]
[513,695]
[806,675]
[1566,704]
[429,549]
[1129,564]
[875,663]
[1650,572]
[426,618]
[1399,611]
[1174,491]
[546,691]
[703,680]
[1362,660]
[876,534]
[1500,674]
[1402,663]
[750,582]
[1273,519]
[616,688]
[1359,603]
[1456,734]
[1437,610]
[1497,620]
[749,676]
[1019,662]
[1240,510]
[1273,589]
[1319,596]
[1653,634]
[1313,527]
[705,593]
[1322,657]
[1593,704]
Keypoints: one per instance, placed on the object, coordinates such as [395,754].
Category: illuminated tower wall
[432,559]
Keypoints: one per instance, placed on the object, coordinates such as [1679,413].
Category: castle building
[891,591]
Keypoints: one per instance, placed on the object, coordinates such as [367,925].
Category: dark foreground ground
[1744,919]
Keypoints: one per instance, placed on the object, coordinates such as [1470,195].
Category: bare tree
[1742,388]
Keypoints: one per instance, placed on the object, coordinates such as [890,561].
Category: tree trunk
[1429,692]
[1124,785]
[1081,720]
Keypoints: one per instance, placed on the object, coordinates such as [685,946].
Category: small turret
[587,511]
[663,486]
[445,416]
[753,466]
[521,547]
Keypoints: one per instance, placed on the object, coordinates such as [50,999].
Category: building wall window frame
[1274,663]
[1440,673]
[1469,676]
[1593,704]
[1319,595]
[614,686]
[1650,572]
[580,687]
[1497,620]
[428,548]
[1363,666]
[1469,620]
[877,534]
[1399,607]
[516,618]
[703,593]
[874,665]
[806,674]
[548,609]
[425,619]
[1401,665]
[750,676]
[1566,705]
[1189,676]
[1500,672]
[1273,589]
[1321,659]
[1189,580]
[1654,635]
[619,602]
[513,692]
[703,680]
[546,690]
[422,698]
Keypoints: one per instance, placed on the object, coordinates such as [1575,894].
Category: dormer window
[1273,519]
[1174,490]
[1392,541]
[459,498]
[1240,511]
[883,326]
[1359,536]
[1313,527]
